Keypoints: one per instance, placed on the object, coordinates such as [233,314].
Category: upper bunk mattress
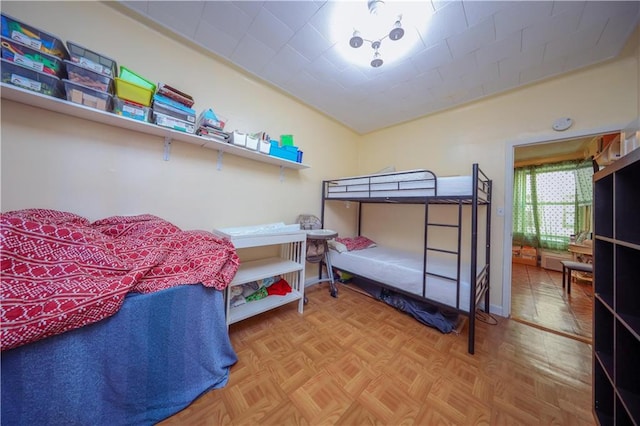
[411,183]
[403,270]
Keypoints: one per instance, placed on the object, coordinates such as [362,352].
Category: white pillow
[339,247]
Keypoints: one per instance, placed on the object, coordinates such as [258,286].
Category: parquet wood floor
[537,298]
[356,361]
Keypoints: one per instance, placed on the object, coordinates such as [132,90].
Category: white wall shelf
[61,106]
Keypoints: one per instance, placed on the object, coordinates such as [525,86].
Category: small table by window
[582,253]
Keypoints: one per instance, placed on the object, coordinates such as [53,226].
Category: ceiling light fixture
[396,33]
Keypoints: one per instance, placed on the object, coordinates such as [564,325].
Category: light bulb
[356,41]
[396,32]
[377,60]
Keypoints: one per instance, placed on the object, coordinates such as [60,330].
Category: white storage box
[252,142]
[264,146]
[238,138]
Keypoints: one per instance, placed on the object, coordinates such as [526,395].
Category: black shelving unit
[616,308]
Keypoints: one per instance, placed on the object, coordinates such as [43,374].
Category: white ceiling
[468,51]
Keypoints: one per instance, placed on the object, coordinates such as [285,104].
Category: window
[551,202]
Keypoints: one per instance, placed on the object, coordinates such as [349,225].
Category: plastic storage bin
[33,37]
[31,79]
[88,78]
[87,96]
[92,60]
[132,92]
[131,110]
[286,152]
[127,75]
[27,57]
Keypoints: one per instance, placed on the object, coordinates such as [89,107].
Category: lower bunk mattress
[403,270]
[148,361]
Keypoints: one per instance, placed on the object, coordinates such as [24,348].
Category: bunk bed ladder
[457,252]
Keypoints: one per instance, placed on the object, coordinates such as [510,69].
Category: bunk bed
[455,279]
[117,321]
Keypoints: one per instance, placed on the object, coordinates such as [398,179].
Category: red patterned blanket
[60,272]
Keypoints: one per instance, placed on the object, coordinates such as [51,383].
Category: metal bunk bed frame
[480,196]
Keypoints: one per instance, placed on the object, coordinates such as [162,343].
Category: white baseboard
[496,310]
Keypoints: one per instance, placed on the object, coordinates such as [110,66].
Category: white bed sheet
[403,270]
[409,184]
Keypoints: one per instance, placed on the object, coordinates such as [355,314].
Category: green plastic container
[286,140]
[127,75]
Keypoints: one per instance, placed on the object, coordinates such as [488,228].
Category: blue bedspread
[151,359]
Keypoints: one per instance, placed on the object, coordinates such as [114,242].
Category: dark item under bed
[424,312]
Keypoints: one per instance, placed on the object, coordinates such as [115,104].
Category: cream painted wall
[55,161]
[50,160]
[448,143]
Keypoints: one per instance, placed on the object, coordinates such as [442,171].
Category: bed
[404,269]
[406,184]
[455,279]
[118,321]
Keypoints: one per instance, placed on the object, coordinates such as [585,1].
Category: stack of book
[211,126]
[172,109]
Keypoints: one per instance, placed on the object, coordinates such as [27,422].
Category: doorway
[535,293]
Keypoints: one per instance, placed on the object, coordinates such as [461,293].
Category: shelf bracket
[219,163]
[281,173]
[167,148]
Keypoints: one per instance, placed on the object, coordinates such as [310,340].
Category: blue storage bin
[286,152]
